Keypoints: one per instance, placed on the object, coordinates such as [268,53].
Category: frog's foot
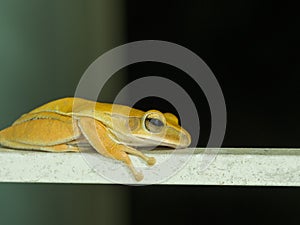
[150,160]
[122,156]
[137,175]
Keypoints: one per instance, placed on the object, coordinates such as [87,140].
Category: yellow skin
[112,130]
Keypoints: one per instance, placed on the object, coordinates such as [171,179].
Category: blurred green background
[45,48]
[47,45]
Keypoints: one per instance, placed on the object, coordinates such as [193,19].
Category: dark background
[250,45]
[215,205]
[252,48]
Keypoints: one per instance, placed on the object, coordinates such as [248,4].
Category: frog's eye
[153,125]
[154,121]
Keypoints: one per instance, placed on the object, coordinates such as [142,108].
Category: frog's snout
[185,139]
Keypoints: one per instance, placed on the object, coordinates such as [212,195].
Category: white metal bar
[231,166]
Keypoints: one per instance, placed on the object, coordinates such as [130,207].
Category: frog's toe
[137,175]
[151,161]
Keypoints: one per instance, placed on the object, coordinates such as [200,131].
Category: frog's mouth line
[146,142]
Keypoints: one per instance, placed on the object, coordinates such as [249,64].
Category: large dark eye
[156,122]
[153,125]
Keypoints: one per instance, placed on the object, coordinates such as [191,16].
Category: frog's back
[69,105]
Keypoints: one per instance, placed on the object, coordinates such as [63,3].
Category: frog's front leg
[98,136]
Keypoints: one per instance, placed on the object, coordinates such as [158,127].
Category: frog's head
[151,128]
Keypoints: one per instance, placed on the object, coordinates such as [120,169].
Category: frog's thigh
[97,135]
[41,134]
